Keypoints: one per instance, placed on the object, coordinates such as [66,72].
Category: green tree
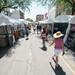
[5,4]
[67,3]
[24,4]
[28,19]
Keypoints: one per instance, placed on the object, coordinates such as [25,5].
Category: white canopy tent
[14,21]
[4,20]
[45,22]
[72,21]
[42,22]
[3,24]
[50,21]
[63,19]
[27,22]
[18,21]
[21,20]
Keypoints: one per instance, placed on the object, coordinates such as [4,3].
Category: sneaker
[53,58]
[63,53]
[44,48]
[26,38]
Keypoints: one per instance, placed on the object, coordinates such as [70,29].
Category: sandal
[54,59]
[57,66]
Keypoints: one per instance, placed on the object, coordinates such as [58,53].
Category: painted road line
[67,64]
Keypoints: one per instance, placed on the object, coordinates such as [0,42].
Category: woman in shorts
[59,46]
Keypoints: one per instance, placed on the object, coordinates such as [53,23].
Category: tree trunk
[0,10]
[73,9]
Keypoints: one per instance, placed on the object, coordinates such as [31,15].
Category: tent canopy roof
[45,22]
[72,21]
[63,18]
[4,20]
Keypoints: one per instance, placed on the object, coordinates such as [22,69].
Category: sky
[35,10]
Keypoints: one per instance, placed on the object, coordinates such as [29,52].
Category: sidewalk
[68,58]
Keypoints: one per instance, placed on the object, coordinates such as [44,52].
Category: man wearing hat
[59,46]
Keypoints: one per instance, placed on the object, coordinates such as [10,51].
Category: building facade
[14,13]
[39,17]
[18,14]
[51,13]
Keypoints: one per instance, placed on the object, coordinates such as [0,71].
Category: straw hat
[58,34]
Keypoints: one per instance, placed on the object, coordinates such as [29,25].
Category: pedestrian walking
[59,46]
[43,35]
[27,33]
[34,28]
[37,29]
[46,30]
[40,28]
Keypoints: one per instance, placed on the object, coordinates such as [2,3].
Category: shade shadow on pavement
[3,51]
[7,51]
[44,49]
[17,44]
[58,71]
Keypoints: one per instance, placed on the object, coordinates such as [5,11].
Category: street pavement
[27,58]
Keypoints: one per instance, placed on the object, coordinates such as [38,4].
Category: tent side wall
[60,27]
[70,42]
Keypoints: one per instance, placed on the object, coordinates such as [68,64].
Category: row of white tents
[5,20]
[10,30]
[65,18]
[60,19]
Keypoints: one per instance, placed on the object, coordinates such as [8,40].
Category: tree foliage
[28,19]
[24,4]
[67,3]
[5,3]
